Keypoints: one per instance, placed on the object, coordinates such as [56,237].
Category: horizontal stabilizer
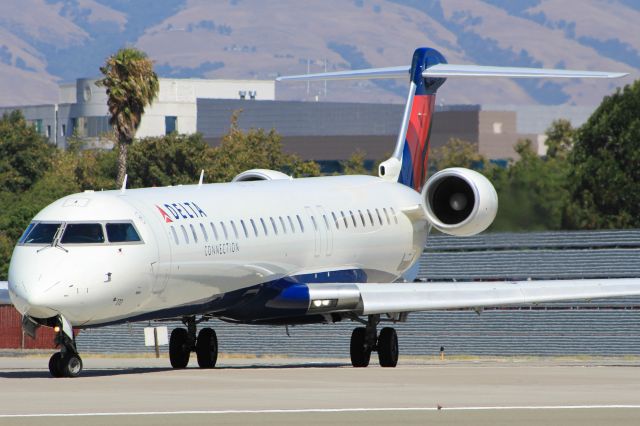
[452,70]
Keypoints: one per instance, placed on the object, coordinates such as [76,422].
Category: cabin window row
[281,225]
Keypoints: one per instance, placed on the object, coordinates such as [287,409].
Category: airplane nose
[27,290]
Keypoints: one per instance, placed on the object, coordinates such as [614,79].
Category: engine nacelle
[460,201]
[260,174]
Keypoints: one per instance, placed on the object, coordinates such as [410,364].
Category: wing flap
[409,297]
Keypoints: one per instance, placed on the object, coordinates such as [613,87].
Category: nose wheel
[365,340]
[183,341]
[67,362]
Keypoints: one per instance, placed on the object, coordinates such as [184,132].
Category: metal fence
[609,327]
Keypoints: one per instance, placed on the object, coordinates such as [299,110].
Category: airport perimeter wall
[606,327]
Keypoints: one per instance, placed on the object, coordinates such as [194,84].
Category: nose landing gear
[184,341]
[67,362]
[365,340]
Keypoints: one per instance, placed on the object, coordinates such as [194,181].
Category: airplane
[267,249]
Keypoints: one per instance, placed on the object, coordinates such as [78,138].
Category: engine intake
[460,201]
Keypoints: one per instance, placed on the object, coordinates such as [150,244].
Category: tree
[355,164]
[458,153]
[605,177]
[560,138]
[131,86]
[24,154]
[243,150]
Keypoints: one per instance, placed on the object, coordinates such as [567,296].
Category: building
[82,108]
[322,131]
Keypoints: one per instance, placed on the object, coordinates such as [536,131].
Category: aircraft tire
[360,354]
[207,348]
[388,347]
[70,365]
[179,351]
[54,365]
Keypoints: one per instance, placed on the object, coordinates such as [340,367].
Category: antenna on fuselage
[201,177]
[124,184]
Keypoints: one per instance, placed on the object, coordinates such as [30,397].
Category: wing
[409,297]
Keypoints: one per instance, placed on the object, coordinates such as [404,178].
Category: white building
[83,108]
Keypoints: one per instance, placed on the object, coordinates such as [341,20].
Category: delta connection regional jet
[269,249]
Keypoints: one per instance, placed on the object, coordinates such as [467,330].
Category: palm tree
[131,86]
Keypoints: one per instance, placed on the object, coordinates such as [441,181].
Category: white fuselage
[201,242]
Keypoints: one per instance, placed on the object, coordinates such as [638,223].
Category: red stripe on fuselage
[418,135]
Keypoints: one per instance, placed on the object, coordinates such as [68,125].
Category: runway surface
[144,391]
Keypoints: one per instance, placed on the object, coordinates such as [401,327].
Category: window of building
[497,127]
[48,131]
[175,236]
[170,124]
[184,234]
[63,130]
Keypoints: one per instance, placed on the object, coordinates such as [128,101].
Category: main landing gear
[365,340]
[67,362]
[183,341]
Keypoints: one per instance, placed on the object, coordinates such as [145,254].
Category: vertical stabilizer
[413,141]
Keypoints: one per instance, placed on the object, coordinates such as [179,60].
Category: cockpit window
[83,233]
[25,234]
[121,232]
[40,233]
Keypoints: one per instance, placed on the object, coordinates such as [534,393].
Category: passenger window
[395,217]
[335,220]
[362,218]
[235,230]
[300,222]
[353,219]
[370,217]
[121,232]
[244,228]
[224,230]
[387,216]
[293,230]
[253,225]
[344,217]
[83,233]
[215,231]
[193,231]
[326,222]
[273,223]
[175,236]
[42,233]
[284,228]
[204,232]
[379,217]
[315,225]
[264,227]
[184,234]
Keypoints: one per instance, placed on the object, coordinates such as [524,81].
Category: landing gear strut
[364,340]
[184,341]
[67,362]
